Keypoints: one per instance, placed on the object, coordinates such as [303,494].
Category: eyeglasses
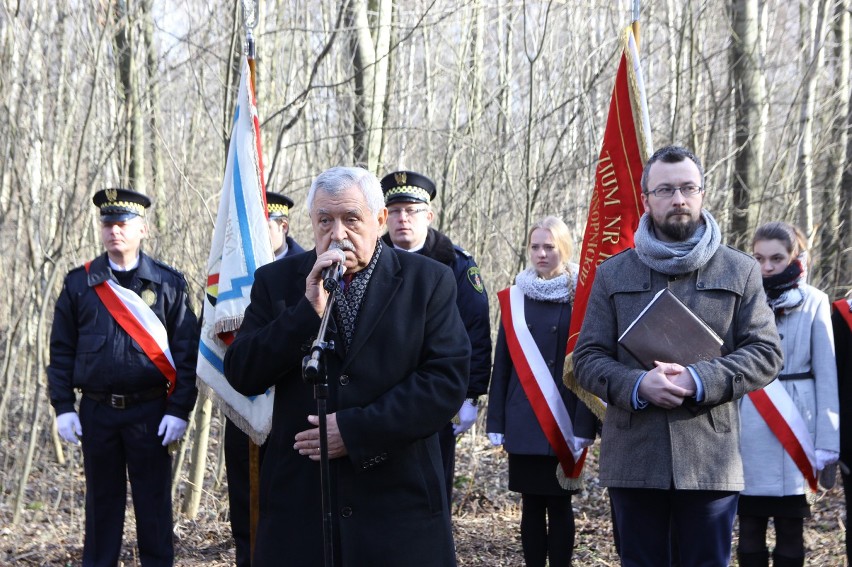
[668,191]
[409,211]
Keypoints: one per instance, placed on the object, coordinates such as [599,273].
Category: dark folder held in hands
[668,331]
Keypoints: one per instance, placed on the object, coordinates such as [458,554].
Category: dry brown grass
[485,515]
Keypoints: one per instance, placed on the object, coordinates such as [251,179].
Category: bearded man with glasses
[670,452]
[408,197]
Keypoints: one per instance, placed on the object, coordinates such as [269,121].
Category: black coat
[402,379]
[843,350]
[509,409]
[472,302]
[90,351]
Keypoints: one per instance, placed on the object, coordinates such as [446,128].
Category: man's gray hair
[335,180]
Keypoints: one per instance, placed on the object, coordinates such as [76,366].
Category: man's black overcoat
[401,381]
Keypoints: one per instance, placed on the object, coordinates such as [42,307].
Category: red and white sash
[784,420]
[141,323]
[539,385]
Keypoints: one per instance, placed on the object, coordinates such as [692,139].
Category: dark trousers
[239,489]
[117,444]
[701,522]
[447,442]
[547,530]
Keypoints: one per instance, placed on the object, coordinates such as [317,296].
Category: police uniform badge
[475,279]
[149,296]
[111,194]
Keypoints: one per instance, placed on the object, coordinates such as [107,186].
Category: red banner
[616,204]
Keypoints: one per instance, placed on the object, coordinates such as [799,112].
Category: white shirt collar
[283,251]
[116,268]
[415,249]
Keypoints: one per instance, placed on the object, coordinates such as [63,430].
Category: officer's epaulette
[77,269]
[462,251]
[172,269]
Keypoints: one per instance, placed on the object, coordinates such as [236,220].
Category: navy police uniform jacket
[293,247]
[90,351]
[472,302]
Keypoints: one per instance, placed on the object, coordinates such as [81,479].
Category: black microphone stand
[314,372]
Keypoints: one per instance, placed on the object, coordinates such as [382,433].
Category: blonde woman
[543,298]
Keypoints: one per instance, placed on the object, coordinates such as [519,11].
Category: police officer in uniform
[125,336]
[237,460]
[279,206]
[408,197]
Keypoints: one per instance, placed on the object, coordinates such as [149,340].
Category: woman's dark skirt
[774,506]
[535,474]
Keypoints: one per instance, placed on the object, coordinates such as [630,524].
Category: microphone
[332,274]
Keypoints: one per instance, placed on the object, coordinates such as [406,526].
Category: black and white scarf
[782,290]
[348,300]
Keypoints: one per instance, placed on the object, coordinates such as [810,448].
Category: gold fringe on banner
[593,402]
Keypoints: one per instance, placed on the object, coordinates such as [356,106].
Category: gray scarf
[558,290]
[675,258]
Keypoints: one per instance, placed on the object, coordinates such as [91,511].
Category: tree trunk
[152,100]
[370,52]
[198,459]
[827,272]
[748,82]
[843,276]
[38,403]
[813,33]
[128,91]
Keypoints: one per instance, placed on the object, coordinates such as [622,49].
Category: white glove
[173,427]
[69,426]
[467,417]
[825,458]
[496,438]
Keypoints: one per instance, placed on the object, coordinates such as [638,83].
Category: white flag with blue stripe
[240,245]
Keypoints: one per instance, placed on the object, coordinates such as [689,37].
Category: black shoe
[784,561]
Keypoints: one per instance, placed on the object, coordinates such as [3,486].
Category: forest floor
[486,519]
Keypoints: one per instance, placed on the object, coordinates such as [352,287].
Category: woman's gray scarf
[557,290]
[675,258]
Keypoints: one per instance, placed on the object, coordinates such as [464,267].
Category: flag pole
[249,22]
[635,24]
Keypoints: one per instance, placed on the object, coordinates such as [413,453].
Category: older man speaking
[397,374]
